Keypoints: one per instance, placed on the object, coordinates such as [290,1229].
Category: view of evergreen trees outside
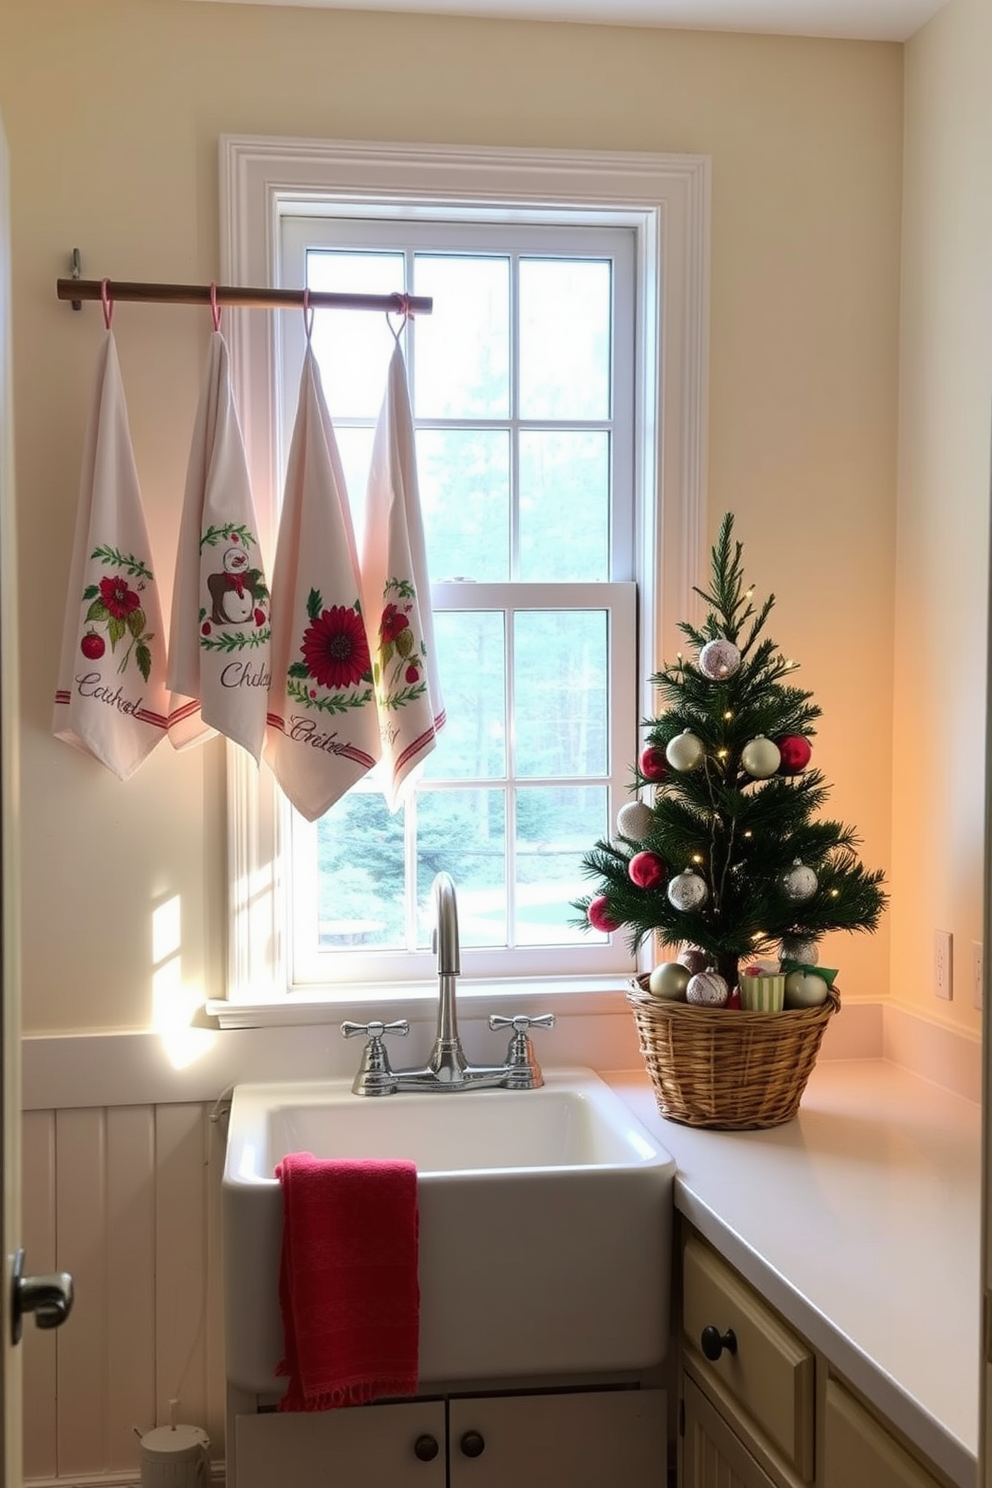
[511,383]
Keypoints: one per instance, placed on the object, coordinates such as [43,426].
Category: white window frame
[665,200]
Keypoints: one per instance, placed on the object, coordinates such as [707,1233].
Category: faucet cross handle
[523,1070]
[375,1077]
[375,1029]
[520,1023]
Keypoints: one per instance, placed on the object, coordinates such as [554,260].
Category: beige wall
[113,110]
[942,560]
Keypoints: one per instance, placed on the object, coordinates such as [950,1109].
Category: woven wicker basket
[736,1070]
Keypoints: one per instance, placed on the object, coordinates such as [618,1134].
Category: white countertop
[860,1222]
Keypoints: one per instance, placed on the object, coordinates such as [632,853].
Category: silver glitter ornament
[719,659]
[795,948]
[799,882]
[687,891]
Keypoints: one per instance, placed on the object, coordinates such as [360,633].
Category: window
[540,391]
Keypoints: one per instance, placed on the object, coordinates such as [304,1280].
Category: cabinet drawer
[771,1374]
[859,1452]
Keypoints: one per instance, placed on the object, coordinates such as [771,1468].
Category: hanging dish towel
[323,732]
[397,596]
[348,1282]
[219,638]
[111,698]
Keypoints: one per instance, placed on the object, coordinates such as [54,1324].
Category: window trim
[666,199]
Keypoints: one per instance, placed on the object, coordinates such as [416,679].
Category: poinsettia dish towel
[397,596]
[111,699]
[323,730]
[348,1282]
[219,637]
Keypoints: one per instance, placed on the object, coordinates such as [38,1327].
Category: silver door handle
[48,1297]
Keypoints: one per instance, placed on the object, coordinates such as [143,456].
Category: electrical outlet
[943,981]
[977,974]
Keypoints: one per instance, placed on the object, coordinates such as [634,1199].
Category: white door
[48,1297]
[10,1105]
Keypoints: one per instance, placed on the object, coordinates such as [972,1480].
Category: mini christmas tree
[730,858]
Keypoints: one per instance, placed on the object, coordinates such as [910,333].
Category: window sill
[417,1002]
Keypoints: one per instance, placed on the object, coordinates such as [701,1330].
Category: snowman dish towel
[111,698]
[397,596]
[219,638]
[323,732]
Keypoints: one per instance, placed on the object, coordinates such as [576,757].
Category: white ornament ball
[804,989]
[707,989]
[761,757]
[635,820]
[799,882]
[719,659]
[685,751]
[805,951]
[669,980]
[687,890]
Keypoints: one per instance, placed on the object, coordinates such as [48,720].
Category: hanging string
[308,314]
[214,307]
[107,303]
[405,311]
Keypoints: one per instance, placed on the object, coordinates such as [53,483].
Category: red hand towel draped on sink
[348,1281]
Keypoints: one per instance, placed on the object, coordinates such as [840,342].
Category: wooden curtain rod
[274,299]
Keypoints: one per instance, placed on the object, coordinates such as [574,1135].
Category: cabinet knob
[472,1444]
[714,1342]
[425,1448]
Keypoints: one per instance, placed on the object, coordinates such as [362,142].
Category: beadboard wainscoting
[126,1198]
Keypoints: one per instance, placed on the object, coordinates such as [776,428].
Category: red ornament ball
[654,765]
[599,916]
[92,646]
[647,870]
[795,752]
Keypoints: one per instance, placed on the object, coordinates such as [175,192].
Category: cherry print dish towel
[220,634]
[323,731]
[111,699]
[397,596]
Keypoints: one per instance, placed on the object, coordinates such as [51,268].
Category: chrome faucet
[447,1069]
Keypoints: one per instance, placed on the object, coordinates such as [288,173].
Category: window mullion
[510,809]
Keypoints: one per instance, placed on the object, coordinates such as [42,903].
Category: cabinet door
[367,1447]
[713,1456]
[858,1451]
[581,1440]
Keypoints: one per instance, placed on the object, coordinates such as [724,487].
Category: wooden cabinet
[571,1439]
[766,1409]
[859,1452]
[713,1455]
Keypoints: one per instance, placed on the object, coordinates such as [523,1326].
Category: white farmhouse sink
[545,1223]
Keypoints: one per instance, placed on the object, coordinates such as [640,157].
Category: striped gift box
[764,993]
